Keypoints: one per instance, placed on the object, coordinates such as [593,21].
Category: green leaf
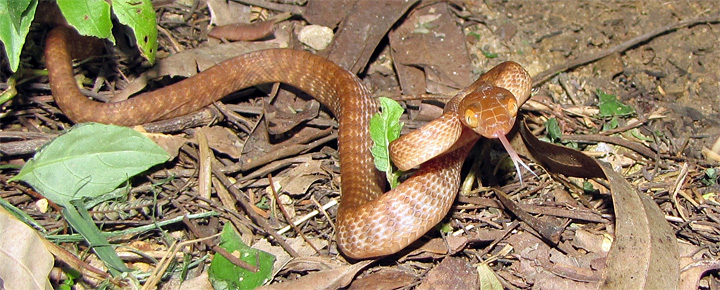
[445,228]
[226,275]
[89,17]
[78,217]
[489,54]
[553,130]
[90,160]
[15,19]
[612,124]
[588,187]
[610,106]
[711,176]
[384,128]
[635,132]
[14,10]
[21,215]
[139,15]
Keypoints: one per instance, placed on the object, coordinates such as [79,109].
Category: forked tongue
[515,158]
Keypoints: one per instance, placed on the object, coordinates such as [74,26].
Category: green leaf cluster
[384,128]
[89,17]
[611,107]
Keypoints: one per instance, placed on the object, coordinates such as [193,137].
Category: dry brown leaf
[223,140]
[201,282]
[451,273]
[384,279]
[591,242]
[431,53]
[691,274]
[539,267]
[281,256]
[327,13]
[298,180]
[362,29]
[439,247]
[224,12]
[171,143]
[26,262]
[327,279]
[312,263]
[279,121]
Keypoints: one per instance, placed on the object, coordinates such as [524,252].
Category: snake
[371,222]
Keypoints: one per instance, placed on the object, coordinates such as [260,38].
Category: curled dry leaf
[642,234]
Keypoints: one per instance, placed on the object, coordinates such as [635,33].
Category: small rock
[315,36]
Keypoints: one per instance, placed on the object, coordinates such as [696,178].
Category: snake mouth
[517,161]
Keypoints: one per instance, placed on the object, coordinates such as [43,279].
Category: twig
[130,231]
[313,213]
[294,9]
[639,148]
[287,216]
[252,214]
[220,250]
[547,230]
[164,263]
[552,71]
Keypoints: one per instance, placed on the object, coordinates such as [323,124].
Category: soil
[672,81]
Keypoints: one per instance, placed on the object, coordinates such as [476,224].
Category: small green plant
[610,106]
[384,128]
[553,130]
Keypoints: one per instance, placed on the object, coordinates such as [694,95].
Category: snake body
[370,223]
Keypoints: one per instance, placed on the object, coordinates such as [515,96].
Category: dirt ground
[664,150]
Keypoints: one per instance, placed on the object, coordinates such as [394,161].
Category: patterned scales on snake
[370,223]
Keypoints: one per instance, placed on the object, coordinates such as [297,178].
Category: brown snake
[370,223]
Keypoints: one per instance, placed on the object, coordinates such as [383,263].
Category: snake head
[489,110]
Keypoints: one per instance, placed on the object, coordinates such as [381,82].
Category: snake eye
[471,118]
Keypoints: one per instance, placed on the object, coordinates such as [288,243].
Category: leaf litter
[649,212]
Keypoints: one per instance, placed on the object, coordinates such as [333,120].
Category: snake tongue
[514,157]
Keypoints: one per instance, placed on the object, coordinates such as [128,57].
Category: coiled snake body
[370,223]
